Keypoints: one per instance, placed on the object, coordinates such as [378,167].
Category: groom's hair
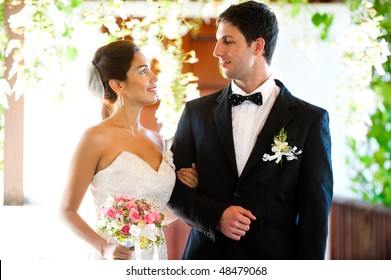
[254,20]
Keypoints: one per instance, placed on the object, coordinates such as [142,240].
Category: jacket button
[236,194]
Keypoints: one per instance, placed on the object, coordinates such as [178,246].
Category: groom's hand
[235,222]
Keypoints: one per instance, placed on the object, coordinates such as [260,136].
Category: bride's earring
[121,100]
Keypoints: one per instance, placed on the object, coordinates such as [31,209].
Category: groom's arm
[315,191]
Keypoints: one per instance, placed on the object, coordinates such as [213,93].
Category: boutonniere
[281,148]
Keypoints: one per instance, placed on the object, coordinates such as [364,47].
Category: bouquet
[134,220]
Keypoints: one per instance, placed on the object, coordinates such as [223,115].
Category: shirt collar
[266,88]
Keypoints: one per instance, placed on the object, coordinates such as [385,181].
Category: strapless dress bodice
[130,175]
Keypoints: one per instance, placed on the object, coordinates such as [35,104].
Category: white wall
[311,70]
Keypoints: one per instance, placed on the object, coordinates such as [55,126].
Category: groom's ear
[259,46]
[115,85]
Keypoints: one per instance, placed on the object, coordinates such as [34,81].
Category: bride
[119,155]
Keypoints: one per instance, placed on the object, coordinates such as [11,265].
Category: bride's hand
[116,252]
[188,176]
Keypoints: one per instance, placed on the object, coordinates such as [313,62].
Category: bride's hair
[111,61]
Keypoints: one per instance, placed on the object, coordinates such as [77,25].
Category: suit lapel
[223,119]
[277,119]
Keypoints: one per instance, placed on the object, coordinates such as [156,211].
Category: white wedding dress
[131,176]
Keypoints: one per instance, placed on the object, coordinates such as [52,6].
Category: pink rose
[125,230]
[148,217]
[156,215]
[130,205]
[110,212]
[134,215]
[119,198]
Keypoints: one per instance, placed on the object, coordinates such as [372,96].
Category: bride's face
[140,86]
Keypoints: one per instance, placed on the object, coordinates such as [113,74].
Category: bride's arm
[188,176]
[81,172]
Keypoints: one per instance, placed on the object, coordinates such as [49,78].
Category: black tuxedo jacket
[291,200]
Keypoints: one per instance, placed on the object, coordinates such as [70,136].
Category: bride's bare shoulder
[97,134]
[96,130]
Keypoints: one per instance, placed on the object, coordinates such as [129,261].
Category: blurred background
[334,54]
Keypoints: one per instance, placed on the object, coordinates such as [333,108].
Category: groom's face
[236,57]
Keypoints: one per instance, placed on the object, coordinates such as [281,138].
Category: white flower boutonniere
[281,148]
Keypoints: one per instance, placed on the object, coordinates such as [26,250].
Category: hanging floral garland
[159,34]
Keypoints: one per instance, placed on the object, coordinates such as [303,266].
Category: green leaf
[295,10]
[318,19]
[71,53]
[76,3]
[353,4]
[323,21]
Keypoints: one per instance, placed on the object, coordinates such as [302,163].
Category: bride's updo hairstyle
[113,62]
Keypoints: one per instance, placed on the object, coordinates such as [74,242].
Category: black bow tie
[237,99]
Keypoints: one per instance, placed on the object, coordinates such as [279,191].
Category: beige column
[13,132]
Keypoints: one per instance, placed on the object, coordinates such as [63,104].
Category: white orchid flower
[281,148]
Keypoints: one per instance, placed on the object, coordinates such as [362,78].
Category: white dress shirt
[249,118]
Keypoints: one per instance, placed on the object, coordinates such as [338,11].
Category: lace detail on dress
[130,175]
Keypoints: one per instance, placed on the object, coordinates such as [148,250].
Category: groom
[253,201]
